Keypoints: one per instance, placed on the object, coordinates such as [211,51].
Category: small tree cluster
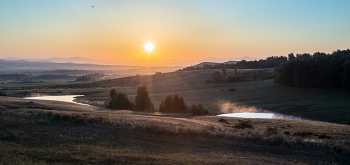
[173,104]
[142,100]
[84,78]
[197,109]
[119,101]
[235,77]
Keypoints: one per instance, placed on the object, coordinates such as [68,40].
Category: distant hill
[206,63]
[78,60]
[214,63]
[230,62]
[19,66]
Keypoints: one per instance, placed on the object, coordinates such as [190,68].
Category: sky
[181,30]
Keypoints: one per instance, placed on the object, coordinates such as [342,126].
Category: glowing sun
[149,46]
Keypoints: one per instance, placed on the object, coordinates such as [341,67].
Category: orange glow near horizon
[184,33]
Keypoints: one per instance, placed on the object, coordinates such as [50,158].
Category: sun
[149,46]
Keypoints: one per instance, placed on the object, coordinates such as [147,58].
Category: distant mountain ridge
[76,60]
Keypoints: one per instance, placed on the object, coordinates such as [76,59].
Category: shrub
[254,74]
[243,124]
[271,131]
[142,100]
[323,136]
[302,134]
[222,120]
[173,104]
[3,93]
[197,109]
[349,120]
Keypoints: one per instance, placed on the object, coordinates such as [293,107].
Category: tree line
[270,62]
[171,104]
[319,70]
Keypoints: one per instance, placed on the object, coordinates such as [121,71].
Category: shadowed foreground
[48,136]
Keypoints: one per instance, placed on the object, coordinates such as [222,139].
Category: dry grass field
[43,132]
[51,132]
[330,105]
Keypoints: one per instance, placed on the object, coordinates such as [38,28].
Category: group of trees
[233,77]
[171,104]
[319,70]
[119,101]
[85,78]
[95,75]
[270,62]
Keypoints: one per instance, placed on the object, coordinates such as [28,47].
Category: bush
[142,100]
[271,131]
[323,136]
[349,120]
[174,104]
[222,120]
[3,93]
[243,124]
[197,109]
[302,134]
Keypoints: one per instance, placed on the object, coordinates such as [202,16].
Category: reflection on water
[65,98]
[261,115]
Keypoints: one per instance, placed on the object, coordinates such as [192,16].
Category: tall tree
[142,100]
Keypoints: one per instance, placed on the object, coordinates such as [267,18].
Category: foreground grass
[51,137]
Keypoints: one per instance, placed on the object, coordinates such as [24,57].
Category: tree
[346,74]
[197,109]
[142,100]
[119,101]
[113,93]
[291,56]
[254,74]
[174,104]
[320,70]
[216,76]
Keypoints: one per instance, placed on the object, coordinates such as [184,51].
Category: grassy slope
[317,104]
[25,138]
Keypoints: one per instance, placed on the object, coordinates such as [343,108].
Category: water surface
[261,115]
[64,98]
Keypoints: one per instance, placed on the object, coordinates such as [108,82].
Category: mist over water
[229,109]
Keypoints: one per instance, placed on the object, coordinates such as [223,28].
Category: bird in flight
[92,6]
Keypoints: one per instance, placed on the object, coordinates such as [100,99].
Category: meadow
[50,132]
[330,105]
